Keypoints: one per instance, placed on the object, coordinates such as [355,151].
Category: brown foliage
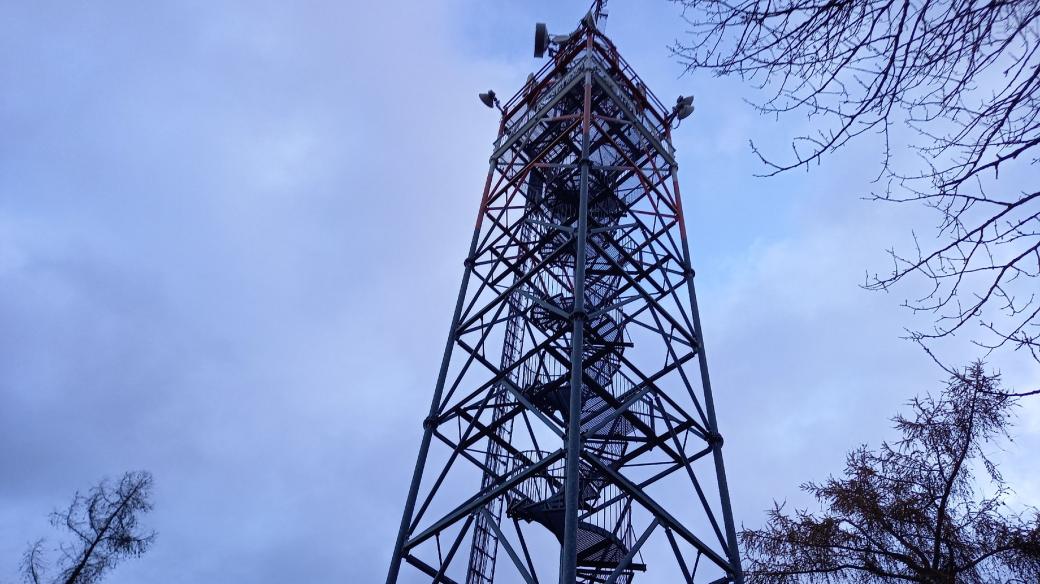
[912,511]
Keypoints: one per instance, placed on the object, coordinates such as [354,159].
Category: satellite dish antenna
[541,39]
[488,98]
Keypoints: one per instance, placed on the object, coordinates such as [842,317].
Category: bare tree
[957,82]
[912,511]
[104,526]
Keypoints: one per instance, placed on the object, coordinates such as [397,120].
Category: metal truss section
[572,433]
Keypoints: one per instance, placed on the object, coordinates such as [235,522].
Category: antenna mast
[599,11]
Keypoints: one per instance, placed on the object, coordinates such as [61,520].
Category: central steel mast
[572,426]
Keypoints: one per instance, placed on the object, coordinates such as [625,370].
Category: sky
[232,233]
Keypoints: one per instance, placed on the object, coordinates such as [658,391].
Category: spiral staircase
[604,533]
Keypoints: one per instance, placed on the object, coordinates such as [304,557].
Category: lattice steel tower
[572,434]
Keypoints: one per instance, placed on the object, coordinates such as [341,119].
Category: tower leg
[424,446]
[733,551]
[569,553]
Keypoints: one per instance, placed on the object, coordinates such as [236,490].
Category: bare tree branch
[105,525]
[962,78]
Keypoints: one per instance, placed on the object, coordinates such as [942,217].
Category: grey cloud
[230,240]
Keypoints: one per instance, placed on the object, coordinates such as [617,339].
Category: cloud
[231,238]
[216,222]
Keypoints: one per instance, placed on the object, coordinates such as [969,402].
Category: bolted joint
[469,263]
[586,161]
[429,423]
[715,440]
[579,315]
[689,273]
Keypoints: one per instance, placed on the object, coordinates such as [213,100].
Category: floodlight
[488,98]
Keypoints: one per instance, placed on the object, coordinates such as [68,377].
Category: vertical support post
[732,551]
[572,470]
[428,424]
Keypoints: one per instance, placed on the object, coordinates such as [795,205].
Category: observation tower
[572,433]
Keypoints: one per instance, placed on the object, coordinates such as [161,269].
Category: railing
[607,53]
[622,425]
[539,93]
[542,486]
[614,515]
[572,61]
[603,505]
